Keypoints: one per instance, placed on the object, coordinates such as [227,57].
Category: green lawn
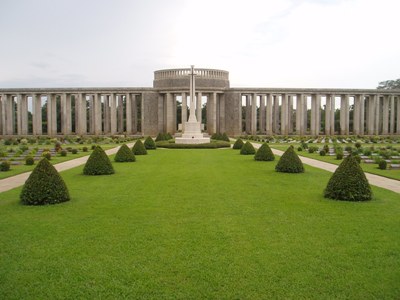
[370,168]
[200,224]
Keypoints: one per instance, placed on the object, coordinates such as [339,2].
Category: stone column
[344,114]
[120,109]
[22,115]
[248,114]
[135,115]
[113,114]
[328,106]
[221,114]
[97,114]
[161,123]
[81,117]
[284,115]
[332,115]
[184,110]
[392,111]
[254,114]
[106,113]
[385,115]
[49,102]
[290,114]
[261,118]
[128,112]
[37,114]
[198,107]
[371,114]
[398,115]
[362,114]
[313,115]
[377,115]
[299,114]
[357,114]
[213,114]
[66,113]
[275,127]
[9,110]
[268,116]
[169,114]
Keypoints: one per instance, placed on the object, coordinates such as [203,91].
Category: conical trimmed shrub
[44,186]
[225,137]
[139,148]
[238,144]
[247,149]
[160,137]
[264,153]
[348,182]
[290,162]
[124,154]
[149,143]
[98,163]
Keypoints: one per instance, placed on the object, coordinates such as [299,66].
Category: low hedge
[211,145]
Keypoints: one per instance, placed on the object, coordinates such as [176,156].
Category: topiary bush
[382,164]
[44,186]
[139,148]
[149,144]
[29,161]
[247,149]
[264,153]
[348,182]
[47,155]
[322,153]
[4,166]
[225,137]
[74,151]
[290,162]
[124,154]
[98,163]
[238,144]
[63,152]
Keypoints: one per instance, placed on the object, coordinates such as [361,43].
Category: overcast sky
[262,43]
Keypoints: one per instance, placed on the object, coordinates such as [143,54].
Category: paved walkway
[18,180]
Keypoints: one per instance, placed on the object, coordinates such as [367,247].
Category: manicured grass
[370,168]
[18,169]
[200,224]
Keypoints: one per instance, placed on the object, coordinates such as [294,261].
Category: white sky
[262,43]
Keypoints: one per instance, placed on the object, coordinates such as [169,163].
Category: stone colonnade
[148,111]
[280,113]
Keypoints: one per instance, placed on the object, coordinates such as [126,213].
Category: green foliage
[63,152]
[389,84]
[299,149]
[47,155]
[44,186]
[29,161]
[247,149]
[85,149]
[264,153]
[124,154]
[139,148]
[220,137]
[4,166]
[382,164]
[322,153]
[98,163]
[211,145]
[238,144]
[160,137]
[149,143]
[290,162]
[348,182]
[74,151]
[225,137]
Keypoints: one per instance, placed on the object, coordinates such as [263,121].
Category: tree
[348,182]
[44,186]
[290,162]
[389,85]
[98,163]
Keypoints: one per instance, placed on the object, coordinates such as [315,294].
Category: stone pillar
[385,115]
[213,113]
[332,115]
[392,111]
[9,110]
[107,123]
[357,114]
[377,115]
[371,114]
[135,115]
[362,114]
[328,107]
[113,114]
[184,110]
[305,113]
[344,114]
[81,115]
[97,114]
[268,117]
[37,114]
[299,114]
[261,117]
[169,114]
[22,115]
[128,113]
[161,122]
[174,111]
[398,115]
[120,109]
[248,114]
[284,115]
[254,114]
[221,114]
[290,114]
[313,115]
[198,107]
[49,102]
[66,113]
[275,127]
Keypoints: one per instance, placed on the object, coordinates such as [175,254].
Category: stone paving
[386,183]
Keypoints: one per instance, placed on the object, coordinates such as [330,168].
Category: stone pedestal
[192,135]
